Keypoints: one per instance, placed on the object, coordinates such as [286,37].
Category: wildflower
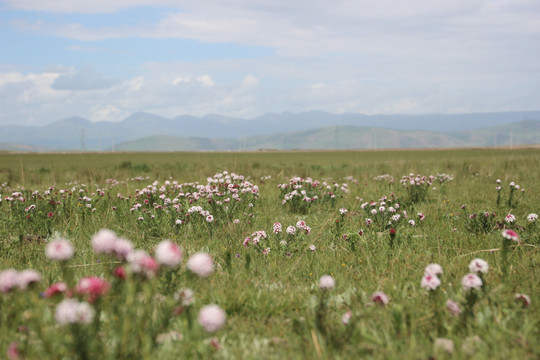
[92,286]
[498,181]
[70,311]
[119,272]
[478,266]
[312,247]
[368,222]
[430,282]
[122,248]
[421,216]
[343,211]
[412,222]
[201,264]
[168,253]
[446,345]
[291,230]
[510,235]
[326,282]
[103,241]
[471,281]
[380,298]
[212,318]
[433,269]
[209,218]
[266,251]
[27,278]
[524,299]
[9,280]
[277,228]
[59,249]
[185,296]
[453,307]
[13,352]
[346,318]
[532,217]
[56,288]
[142,263]
[510,218]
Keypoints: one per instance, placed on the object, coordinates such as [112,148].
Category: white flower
[186,296]
[212,318]
[326,282]
[168,253]
[412,222]
[471,281]
[510,218]
[201,264]
[291,230]
[478,266]
[343,211]
[70,311]
[532,217]
[59,249]
[312,247]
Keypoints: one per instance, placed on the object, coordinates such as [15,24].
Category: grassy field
[269,284]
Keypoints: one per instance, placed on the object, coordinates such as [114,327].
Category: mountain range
[309,130]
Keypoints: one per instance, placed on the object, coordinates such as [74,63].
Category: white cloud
[205,81]
[180,80]
[250,81]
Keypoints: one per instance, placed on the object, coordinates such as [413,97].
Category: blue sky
[104,60]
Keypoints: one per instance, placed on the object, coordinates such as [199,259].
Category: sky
[104,60]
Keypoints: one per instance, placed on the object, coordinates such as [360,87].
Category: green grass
[274,307]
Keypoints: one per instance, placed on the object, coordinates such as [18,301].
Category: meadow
[414,254]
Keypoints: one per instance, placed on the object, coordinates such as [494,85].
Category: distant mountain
[348,137]
[77,133]
[6,146]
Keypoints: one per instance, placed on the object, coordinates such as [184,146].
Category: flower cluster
[299,193]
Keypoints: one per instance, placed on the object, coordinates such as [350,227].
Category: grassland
[274,307]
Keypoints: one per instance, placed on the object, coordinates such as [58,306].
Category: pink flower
[103,241]
[13,351]
[433,269]
[510,218]
[54,289]
[142,263]
[168,253]
[212,318]
[453,307]
[524,299]
[291,230]
[510,235]
[312,247]
[201,264]
[380,298]
[27,278]
[430,282]
[277,228]
[9,280]
[59,249]
[92,286]
[346,318]
[478,266]
[471,281]
[326,282]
